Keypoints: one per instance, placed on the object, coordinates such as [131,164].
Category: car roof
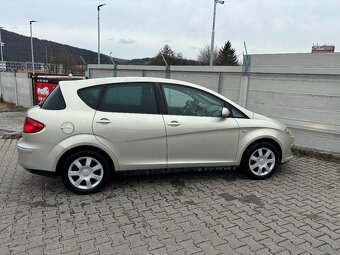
[113,80]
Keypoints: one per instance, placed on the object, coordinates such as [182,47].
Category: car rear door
[197,135]
[129,124]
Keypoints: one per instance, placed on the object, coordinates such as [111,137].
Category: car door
[129,124]
[197,135]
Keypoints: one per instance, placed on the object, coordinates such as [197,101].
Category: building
[323,48]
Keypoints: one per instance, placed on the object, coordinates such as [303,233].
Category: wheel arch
[83,148]
[270,140]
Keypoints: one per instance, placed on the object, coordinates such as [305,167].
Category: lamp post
[238,56]
[2,56]
[32,21]
[98,8]
[213,32]
[114,65]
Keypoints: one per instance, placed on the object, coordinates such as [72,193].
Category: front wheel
[85,172]
[260,161]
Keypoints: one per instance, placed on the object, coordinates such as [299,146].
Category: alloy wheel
[85,173]
[262,161]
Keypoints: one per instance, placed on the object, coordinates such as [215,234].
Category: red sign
[42,90]
[44,85]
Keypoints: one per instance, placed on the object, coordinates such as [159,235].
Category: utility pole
[98,9]
[32,21]
[213,32]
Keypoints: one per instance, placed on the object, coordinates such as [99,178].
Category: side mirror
[225,112]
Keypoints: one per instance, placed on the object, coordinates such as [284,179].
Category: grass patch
[5,106]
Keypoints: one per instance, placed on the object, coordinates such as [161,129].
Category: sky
[139,28]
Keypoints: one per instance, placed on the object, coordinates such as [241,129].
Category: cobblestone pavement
[297,211]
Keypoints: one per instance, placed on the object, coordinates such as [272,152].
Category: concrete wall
[16,88]
[300,90]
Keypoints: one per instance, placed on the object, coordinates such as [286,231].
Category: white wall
[16,88]
[300,90]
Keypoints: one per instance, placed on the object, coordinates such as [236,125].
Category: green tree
[226,56]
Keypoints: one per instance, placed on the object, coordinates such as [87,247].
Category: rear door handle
[174,123]
[104,121]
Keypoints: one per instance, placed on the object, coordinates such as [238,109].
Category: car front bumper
[287,153]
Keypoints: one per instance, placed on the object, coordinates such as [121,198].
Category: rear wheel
[85,172]
[260,161]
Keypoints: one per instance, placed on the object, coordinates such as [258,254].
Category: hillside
[18,48]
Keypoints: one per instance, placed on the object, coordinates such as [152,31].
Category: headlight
[287,131]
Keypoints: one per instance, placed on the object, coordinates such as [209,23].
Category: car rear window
[55,100]
[90,95]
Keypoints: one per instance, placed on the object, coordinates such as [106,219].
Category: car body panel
[36,155]
[205,141]
[252,130]
[137,140]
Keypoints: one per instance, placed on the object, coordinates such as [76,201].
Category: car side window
[238,114]
[54,101]
[90,95]
[129,98]
[181,100]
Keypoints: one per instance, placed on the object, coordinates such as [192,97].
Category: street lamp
[98,8]
[32,21]
[213,32]
[111,58]
[2,56]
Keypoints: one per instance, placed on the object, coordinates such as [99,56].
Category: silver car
[86,130]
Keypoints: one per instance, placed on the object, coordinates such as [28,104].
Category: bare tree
[172,58]
[166,51]
[204,55]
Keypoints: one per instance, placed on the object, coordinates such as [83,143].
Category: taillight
[32,126]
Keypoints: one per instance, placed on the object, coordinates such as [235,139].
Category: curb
[13,110]
[14,135]
[314,153]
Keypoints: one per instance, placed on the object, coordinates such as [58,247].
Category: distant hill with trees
[18,48]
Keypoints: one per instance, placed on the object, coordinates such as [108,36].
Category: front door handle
[174,123]
[104,121]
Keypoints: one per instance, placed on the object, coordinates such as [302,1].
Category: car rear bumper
[33,156]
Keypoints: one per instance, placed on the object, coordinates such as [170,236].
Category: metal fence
[42,68]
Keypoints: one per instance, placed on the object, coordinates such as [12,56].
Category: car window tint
[129,98]
[237,113]
[90,95]
[182,100]
[55,100]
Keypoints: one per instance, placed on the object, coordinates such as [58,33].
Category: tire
[260,161]
[85,172]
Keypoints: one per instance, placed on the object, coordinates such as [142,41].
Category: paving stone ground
[297,211]
[11,121]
